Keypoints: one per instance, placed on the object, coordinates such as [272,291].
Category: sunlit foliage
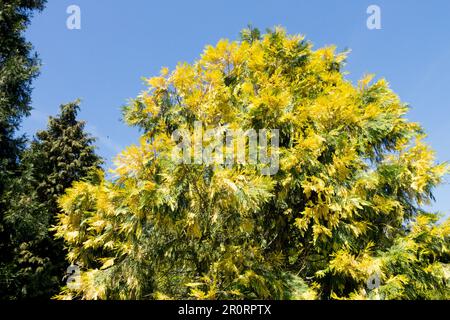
[345,204]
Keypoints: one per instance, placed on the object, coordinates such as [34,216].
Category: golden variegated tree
[342,217]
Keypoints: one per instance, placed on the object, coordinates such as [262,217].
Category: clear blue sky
[122,41]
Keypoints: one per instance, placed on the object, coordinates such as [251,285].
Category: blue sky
[122,41]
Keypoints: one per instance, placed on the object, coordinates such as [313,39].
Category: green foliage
[58,156]
[18,67]
[345,204]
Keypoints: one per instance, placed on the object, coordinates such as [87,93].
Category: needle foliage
[345,205]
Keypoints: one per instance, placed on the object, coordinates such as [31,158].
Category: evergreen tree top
[345,206]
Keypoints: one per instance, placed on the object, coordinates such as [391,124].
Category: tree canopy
[345,205]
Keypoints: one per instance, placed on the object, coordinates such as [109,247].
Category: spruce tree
[18,67]
[60,155]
